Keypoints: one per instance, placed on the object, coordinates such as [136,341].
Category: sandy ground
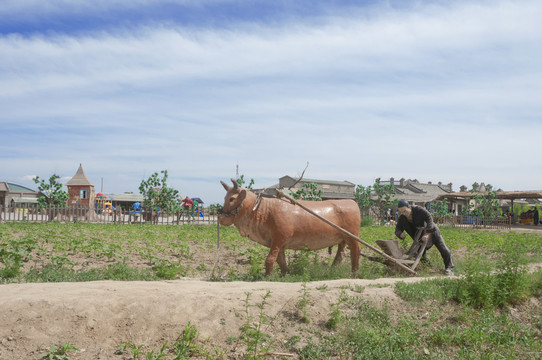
[97,317]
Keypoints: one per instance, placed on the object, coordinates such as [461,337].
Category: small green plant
[13,253]
[136,350]
[58,352]
[252,334]
[186,345]
[167,270]
[256,261]
[322,287]
[303,304]
[336,316]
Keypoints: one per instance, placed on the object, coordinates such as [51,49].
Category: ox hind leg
[276,254]
[355,251]
[340,253]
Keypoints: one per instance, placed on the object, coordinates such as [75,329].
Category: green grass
[35,251]
[487,313]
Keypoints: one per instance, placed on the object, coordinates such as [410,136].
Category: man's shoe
[449,272]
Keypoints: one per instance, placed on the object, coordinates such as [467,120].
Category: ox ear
[242,196]
[235,184]
[225,185]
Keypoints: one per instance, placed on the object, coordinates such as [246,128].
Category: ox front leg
[270,261]
[281,260]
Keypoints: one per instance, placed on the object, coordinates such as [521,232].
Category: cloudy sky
[435,90]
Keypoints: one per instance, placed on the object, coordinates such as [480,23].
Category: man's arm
[400,227]
[427,219]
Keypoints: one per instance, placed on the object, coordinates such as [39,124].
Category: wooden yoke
[293,201]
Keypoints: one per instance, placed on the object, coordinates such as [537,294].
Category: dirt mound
[97,317]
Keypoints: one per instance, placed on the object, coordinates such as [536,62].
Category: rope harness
[230,212]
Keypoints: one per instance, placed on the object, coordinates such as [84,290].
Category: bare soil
[97,317]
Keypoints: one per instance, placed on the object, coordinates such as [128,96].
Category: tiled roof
[79,178]
[316,181]
[7,186]
[4,186]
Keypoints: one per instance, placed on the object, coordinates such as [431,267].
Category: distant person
[187,204]
[535,217]
[195,208]
[415,216]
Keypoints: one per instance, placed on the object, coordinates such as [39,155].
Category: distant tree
[241,182]
[52,192]
[309,191]
[363,198]
[158,195]
[440,207]
[377,198]
[214,208]
[484,205]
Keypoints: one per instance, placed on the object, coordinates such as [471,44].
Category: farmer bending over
[416,216]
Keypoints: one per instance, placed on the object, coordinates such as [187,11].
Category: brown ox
[279,224]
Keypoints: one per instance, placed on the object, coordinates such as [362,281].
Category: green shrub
[169,271]
[367,221]
[481,286]
[485,287]
[120,272]
[535,282]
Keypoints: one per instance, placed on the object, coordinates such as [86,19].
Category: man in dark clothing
[415,216]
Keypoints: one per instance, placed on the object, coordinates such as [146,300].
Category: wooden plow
[392,254]
[410,258]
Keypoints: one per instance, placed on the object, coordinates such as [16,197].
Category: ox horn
[235,185]
[225,185]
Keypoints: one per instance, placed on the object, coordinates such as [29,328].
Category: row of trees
[374,200]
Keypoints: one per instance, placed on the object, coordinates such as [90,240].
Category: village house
[12,195]
[81,189]
[417,193]
[331,189]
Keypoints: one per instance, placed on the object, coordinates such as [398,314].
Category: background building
[330,189]
[81,189]
[13,195]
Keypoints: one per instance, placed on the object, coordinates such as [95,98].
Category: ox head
[233,202]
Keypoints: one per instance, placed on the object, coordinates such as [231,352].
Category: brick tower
[80,189]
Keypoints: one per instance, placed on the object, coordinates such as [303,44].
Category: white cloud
[460,81]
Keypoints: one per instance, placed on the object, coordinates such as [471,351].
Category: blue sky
[433,90]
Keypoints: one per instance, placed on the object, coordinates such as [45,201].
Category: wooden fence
[202,216]
[474,222]
[85,214]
